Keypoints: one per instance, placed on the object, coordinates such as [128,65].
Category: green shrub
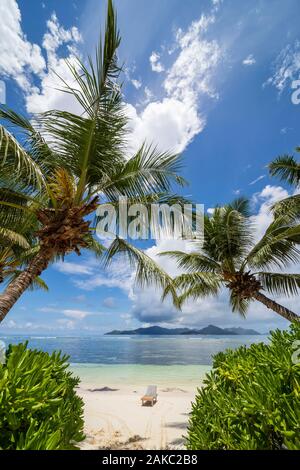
[251,398]
[39,408]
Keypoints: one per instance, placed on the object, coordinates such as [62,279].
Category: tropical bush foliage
[39,408]
[251,398]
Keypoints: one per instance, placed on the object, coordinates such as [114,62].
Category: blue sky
[212,79]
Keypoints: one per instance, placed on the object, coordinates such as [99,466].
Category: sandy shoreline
[115,419]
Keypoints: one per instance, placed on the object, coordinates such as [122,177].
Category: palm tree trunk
[16,288]
[283,311]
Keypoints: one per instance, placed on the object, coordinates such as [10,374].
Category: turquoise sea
[111,360]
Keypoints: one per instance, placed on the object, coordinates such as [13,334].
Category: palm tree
[229,257]
[287,169]
[67,165]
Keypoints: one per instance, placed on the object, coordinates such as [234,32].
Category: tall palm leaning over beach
[230,258]
[67,165]
[287,169]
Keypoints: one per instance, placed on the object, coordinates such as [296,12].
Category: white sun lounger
[150,395]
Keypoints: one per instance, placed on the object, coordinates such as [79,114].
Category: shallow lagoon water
[99,375]
[118,360]
[143,350]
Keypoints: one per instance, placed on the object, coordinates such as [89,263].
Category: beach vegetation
[39,406]
[250,399]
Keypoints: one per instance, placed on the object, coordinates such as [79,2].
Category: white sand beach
[115,419]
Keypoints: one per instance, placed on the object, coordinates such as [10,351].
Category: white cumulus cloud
[169,123]
[249,60]
[67,267]
[19,58]
[286,67]
[265,199]
[47,94]
[34,68]
[155,63]
[69,313]
[174,120]
[136,83]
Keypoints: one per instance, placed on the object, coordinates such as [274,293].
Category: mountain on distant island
[242,331]
[208,330]
[211,330]
[151,330]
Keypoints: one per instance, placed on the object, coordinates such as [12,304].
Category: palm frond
[147,172]
[288,207]
[33,142]
[197,285]
[92,144]
[287,169]
[210,282]
[279,283]
[228,234]
[62,187]
[241,205]
[94,246]
[13,238]
[88,148]
[97,84]
[193,262]
[148,199]
[26,255]
[38,282]
[239,304]
[147,271]
[17,220]
[14,160]
[277,247]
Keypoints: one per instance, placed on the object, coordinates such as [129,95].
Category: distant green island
[208,330]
